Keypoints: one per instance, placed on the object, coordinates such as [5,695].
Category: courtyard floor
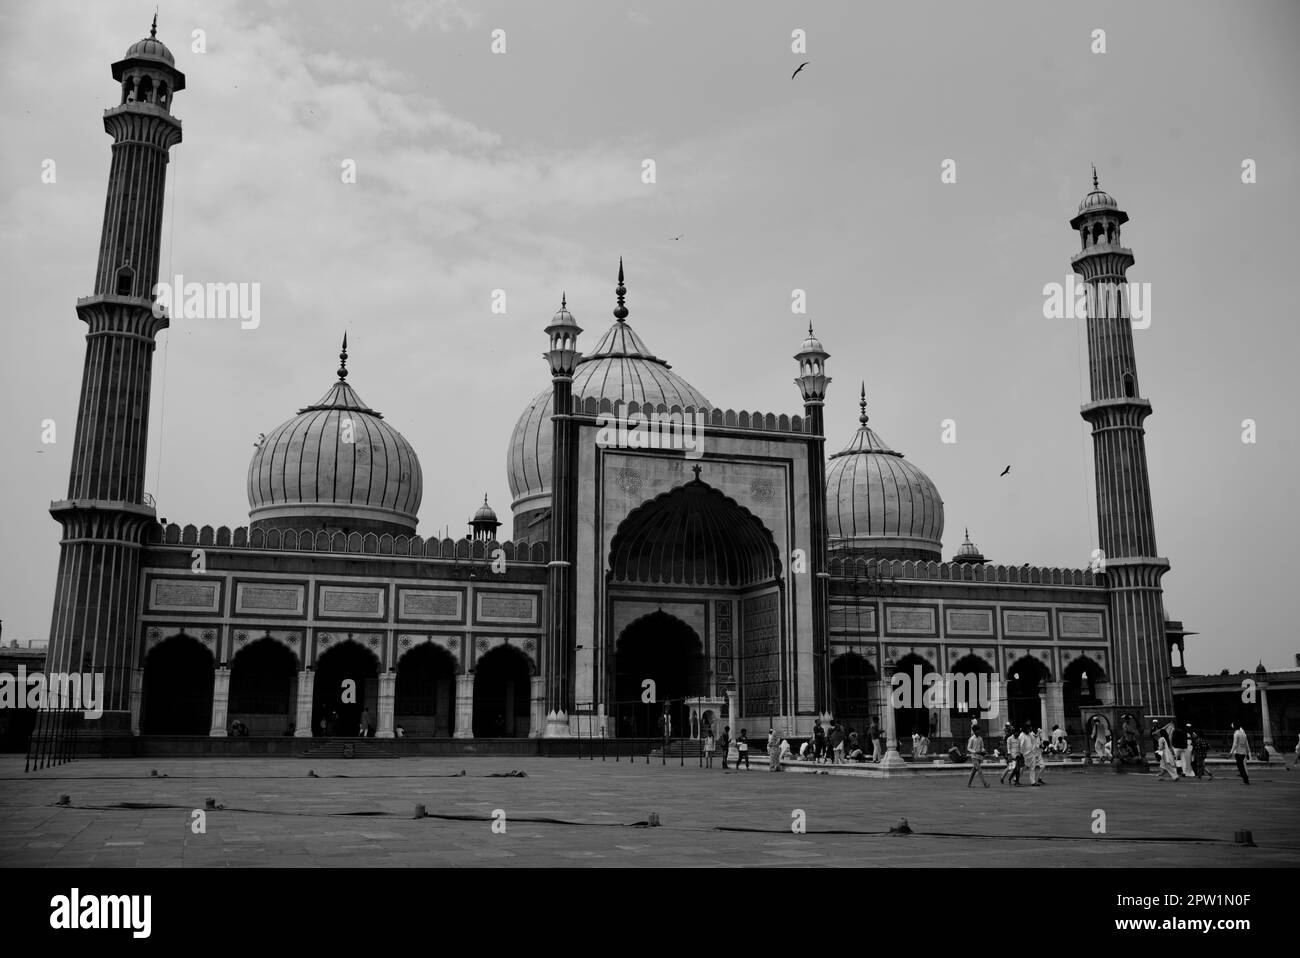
[569,811]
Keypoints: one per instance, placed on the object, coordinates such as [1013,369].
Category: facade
[672,562]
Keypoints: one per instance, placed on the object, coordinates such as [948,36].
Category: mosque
[751,580]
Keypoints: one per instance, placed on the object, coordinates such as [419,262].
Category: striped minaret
[1139,661]
[96,615]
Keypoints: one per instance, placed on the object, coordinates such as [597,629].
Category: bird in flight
[801,66]
[1005,471]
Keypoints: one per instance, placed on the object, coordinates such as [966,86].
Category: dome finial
[564,300]
[1095,185]
[153,29]
[862,404]
[620,311]
[343,360]
[485,498]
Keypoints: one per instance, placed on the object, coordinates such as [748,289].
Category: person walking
[835,744]
[1240,750]
[742,749]
[709,745]
[819,740]
[1200,750]
[975,747]
[1015,758]
[365,723]
[725,742]
[1182,754]
[1165,754]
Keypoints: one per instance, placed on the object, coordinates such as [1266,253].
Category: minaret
[96,623]
[812,383]
[561,596]
[1140,662]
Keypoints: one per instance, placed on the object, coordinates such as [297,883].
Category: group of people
[1025,750]
[1181,751]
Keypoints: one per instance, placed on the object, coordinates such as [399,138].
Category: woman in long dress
[1099,737]
[1166,755]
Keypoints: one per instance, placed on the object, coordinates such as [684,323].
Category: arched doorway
[501,694]
[966,708]
[341,705]
[913,717]
[853,695]
[425,692]
[264,687]
[1079,688]
[688,544]
[666,650]
[1025,681]
[177,689]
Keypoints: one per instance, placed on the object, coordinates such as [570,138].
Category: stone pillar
[1054,713]
[306,690]
[464,706]
[220,701]
[733,711]
[137,699]
[891,758]
[945,722]
[1266,729]
[387,697]
[537,707]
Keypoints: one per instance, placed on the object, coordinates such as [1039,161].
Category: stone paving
[361,813]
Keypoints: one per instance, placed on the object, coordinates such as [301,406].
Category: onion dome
[1098,199]
[620,367]
[337,465]
[151,48]
[878,503]
[969,553]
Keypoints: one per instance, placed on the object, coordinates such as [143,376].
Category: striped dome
[306,474]
[879,503]
[619,367]
[150,48]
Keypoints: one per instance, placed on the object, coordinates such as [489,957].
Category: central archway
[341,707]
[425,692]
[666,650]
[853,682]
[689,544]
[1026,680]
[263,687]
[501,692]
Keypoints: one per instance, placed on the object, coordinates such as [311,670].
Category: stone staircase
[348,748]
[677,748]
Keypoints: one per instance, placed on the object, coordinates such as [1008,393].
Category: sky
[521,171]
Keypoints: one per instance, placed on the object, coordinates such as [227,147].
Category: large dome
[878,503]
[619,367]
[307,474]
